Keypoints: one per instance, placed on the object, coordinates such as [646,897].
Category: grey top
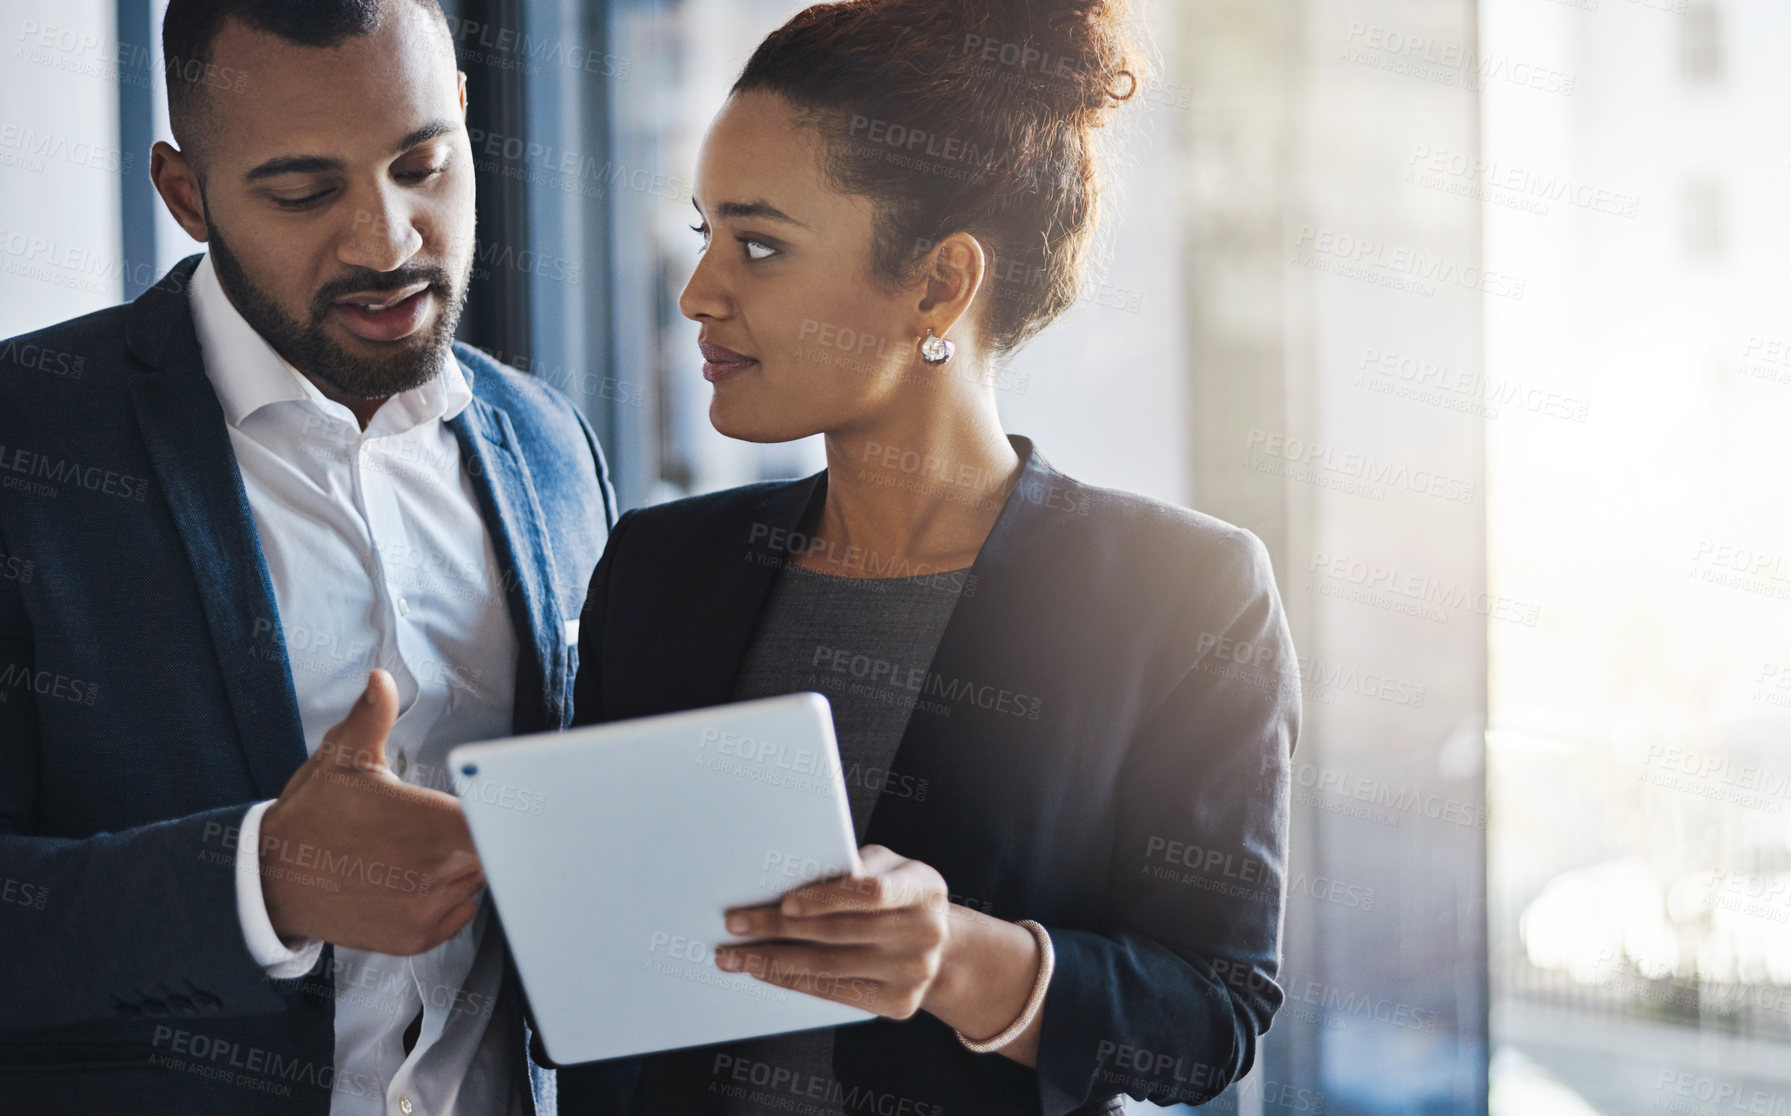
[867,644]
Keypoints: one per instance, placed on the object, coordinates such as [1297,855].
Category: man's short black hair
[191,26]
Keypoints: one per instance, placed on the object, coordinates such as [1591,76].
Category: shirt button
[402,763]
[404,1105]
[403,606]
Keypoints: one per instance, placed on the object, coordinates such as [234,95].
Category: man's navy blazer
[146,702]
[1102,743]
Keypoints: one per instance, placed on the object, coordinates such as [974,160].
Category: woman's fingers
[878,858]
[894,884]
[874,940]
[850,928]
[862,977]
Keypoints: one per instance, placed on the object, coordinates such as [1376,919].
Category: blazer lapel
[724,603]
[188,442]
[728,604]
[985,643]
[492,457]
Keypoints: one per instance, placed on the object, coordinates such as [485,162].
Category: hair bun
[1076,54]
[964,115]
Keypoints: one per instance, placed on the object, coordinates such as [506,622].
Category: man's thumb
[359,741]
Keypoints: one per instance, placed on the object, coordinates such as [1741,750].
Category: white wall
[60,166]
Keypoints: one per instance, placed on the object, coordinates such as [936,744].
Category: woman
[1065,713]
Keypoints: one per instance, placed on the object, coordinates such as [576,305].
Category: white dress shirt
[379,557]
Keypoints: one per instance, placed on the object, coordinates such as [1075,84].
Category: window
[1703,222]
[1701,57]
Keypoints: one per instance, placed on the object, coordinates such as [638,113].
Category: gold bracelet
[1047,963]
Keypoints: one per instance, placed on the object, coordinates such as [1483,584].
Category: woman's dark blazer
[1102,744]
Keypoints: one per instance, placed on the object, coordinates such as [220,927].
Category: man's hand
[354,856]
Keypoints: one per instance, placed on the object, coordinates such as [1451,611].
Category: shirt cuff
[280,961]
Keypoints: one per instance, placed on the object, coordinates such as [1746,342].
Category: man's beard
[411,363]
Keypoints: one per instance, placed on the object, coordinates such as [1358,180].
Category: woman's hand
[876,941]
[891,942]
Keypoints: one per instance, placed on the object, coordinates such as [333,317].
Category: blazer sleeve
[140,922]
[587,701]
[1165,1001]
[587,688]
[610,1080]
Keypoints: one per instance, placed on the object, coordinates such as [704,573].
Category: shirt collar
[248,375]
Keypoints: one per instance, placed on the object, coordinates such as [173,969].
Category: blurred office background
[1474,312]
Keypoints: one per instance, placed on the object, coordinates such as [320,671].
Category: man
[278,498]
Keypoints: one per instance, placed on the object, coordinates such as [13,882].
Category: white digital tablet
[612,852]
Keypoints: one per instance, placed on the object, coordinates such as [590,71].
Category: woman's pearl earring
[936,350]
